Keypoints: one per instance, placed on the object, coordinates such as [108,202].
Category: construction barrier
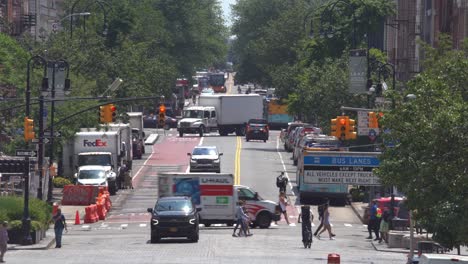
[88,215]
[79,194]
[333,258]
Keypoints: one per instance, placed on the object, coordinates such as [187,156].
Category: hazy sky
[225,4]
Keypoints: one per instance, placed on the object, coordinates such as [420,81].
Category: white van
[442,259]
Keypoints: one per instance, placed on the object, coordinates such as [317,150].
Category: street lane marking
[142,225]
[123,226]
[237,161]
[348,225]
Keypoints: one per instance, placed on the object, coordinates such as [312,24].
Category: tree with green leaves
[429,160]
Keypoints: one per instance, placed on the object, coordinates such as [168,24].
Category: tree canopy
[429,162]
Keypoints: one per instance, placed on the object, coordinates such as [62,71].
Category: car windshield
[204,151]
[103,160]
[193,114]
[258,121]
[91,174]
[174,205]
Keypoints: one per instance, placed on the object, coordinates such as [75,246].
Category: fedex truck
[99,148]
[217,196]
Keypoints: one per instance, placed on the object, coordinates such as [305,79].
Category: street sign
[358,71]
[36,140]
[363,123]
[56,134]
[330,167]
[26,153]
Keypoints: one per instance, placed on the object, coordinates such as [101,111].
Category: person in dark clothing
[373,221]
[59,225]
[307,217]
[282,182]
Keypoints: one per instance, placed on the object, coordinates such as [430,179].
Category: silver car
[204,159]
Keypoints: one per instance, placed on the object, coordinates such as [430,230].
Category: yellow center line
[237,161]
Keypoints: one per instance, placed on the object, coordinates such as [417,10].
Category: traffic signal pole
[26,220]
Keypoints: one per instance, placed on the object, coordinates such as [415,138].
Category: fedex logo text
[96,143]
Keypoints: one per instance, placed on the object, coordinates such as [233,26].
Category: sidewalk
[69,211]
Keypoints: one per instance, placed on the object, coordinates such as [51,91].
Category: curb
[390,250]
[356,213]
[33,247]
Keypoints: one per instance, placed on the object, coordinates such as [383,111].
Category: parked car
[285,133]
[205,159]
[257,129]
[151,121]
[174,216]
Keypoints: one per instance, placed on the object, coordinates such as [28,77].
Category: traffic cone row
[98,211]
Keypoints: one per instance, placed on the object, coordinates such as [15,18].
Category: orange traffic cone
[77,218]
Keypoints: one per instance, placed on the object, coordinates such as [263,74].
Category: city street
[124,235]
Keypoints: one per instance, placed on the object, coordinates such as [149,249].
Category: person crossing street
[282,182]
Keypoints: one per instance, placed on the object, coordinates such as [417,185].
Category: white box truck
[223,113]
[217,196]
[138,135]
[100,148]
[126,140]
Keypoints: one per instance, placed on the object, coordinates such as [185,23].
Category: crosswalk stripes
[122,226]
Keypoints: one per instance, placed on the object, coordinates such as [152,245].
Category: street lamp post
[26,221]
[100,4]
[55,65]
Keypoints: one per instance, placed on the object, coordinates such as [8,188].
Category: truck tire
[201,131]
[263,220]
[181,134]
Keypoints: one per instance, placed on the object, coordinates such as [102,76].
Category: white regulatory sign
[340,177]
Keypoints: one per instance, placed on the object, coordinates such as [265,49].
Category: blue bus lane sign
[330,167]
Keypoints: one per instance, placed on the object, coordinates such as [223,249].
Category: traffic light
[107,113]
[28,129]
[373,122]
[341,130]
[333,128]
[112,111]
[162,115]
[103,114]
[351,129]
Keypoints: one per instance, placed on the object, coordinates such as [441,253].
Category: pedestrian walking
[246,220]
[320,210]
[240,216]
[384,226]
[128,183]
[3,240]
[59,225]
[282,182]
[326,224]
[371,226]
[283,203]
[306,217]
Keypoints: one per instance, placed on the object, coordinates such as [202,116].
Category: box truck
[223,113]
[217,196]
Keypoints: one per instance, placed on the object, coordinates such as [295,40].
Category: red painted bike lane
[170,151]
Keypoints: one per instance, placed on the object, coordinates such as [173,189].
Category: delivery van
[217,196]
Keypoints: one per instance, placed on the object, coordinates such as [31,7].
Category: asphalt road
[124,236]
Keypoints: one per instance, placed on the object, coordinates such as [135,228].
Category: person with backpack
[282,182]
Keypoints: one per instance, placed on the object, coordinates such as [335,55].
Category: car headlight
[193,162]
[155,221]
[192,221]
[104,183]
[216,161]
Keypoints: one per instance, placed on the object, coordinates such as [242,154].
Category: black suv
[174,216]
[257,129]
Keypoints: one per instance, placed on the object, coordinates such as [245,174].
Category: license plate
[173,229]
